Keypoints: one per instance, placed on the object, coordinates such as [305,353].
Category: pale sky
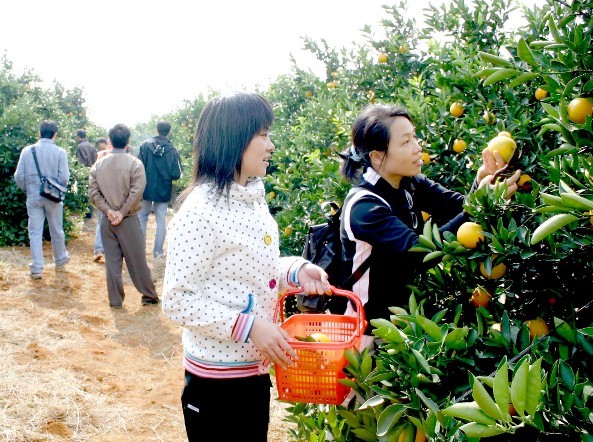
[138,58]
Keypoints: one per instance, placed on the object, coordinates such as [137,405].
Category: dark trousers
[235,409]
[126,241]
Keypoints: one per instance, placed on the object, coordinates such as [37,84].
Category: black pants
[235,409]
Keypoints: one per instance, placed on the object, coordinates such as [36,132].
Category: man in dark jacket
[162,165]
[85,151]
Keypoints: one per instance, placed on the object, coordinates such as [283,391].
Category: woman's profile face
[256,157]
[403,157]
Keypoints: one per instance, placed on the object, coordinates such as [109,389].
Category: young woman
[381,217]
[224,272]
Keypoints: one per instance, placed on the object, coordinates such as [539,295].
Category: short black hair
[100,141]
[163,128]
[120,136]
[225,128]
[47,129]
[81,133]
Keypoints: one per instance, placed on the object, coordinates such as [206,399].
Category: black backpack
[323,247]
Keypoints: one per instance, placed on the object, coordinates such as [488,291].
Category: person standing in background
[163,166]
[116,183]
[85,155]
[85,151]
[53,163]
[103,148]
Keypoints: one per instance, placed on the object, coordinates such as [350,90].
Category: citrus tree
[23,105]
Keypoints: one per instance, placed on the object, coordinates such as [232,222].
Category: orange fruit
[504,145]
[272,195]
[403,49]
[425,158]
[537,327]
[319,337]
[512,410]
[331,85]
[420,436]
[523,179]
[288,230]
[579,108]
[425,216]
[540,93]
[382,58]
[480,297]
[497,272]
[469,234]
[456,109]
[504,133]
[459,146]
[309,94]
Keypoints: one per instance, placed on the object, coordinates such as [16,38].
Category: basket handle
[353,297]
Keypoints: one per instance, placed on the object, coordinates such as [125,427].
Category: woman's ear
[376,158]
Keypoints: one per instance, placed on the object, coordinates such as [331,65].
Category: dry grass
[73,369]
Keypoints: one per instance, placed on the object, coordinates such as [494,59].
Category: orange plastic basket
[314,377]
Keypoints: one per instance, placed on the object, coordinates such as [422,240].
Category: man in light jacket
[162,165]
[53,164]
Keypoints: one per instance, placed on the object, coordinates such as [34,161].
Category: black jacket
[162,165]
[387,232]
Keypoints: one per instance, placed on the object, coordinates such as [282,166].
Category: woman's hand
[272,342]
[511,183]
[491,163]
[313,280]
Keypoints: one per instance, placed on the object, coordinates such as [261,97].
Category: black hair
[370,131]
[226,126]
[100,141]
[163,128]
[119,136]
[81,133]
[47,129]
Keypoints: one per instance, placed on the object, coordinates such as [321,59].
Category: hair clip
[354,155]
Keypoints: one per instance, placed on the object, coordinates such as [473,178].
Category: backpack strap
[362,268]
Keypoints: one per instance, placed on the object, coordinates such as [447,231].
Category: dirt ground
[72,368]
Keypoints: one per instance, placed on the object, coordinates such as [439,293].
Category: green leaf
[469,411]
[565,330]
[493,59]
[554,30]
[576,201]
[502,394]
[551,225]
[552,111]
[372,402]
[486,403]
[389,417]
[432,406]
[431,329]
[433,255]
[421,360]
[501,74]
[524,52]
[534,386]
[519,387]
[523,78]
[474,429]
[567,375]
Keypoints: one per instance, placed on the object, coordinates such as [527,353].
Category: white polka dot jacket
[224,270]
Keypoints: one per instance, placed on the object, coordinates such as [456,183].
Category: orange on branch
[469,234]
[459,146]
[456,109]
[579,109]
